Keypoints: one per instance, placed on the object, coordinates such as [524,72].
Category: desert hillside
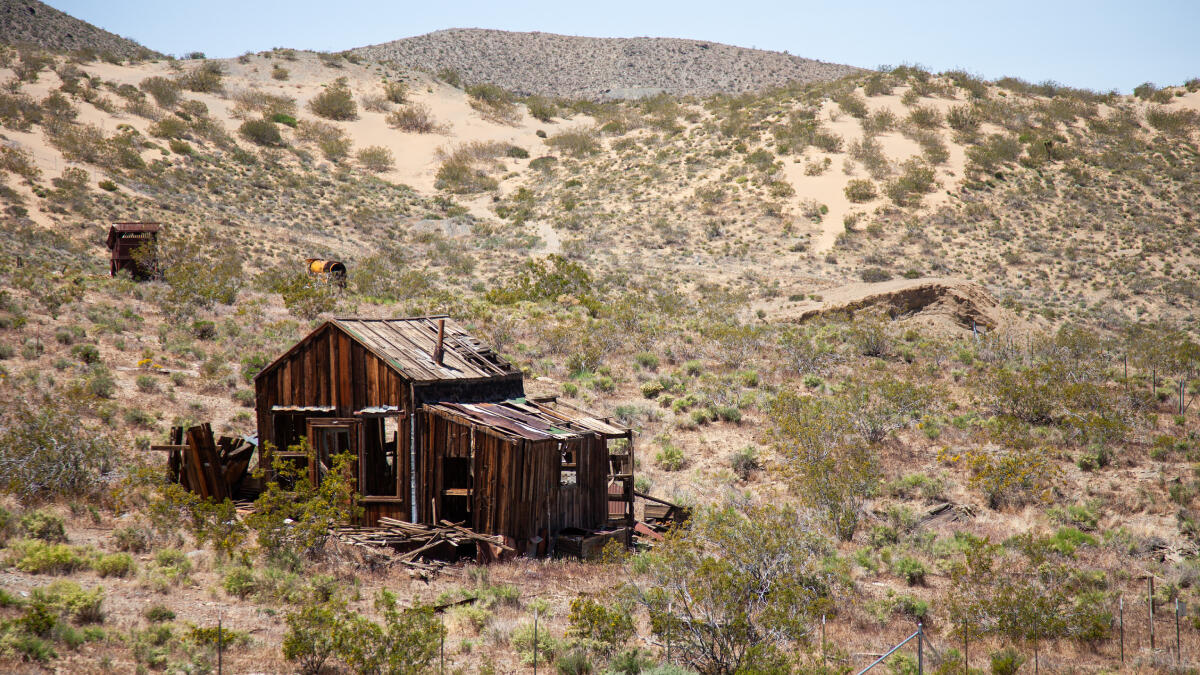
[919,345]
[585,67]
[33,22]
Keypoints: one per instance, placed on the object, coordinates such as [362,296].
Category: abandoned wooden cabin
[442,430]
[123,240]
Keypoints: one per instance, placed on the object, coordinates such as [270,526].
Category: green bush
[670,458]
[335,102]
[43,525]
[924,117]
[916,180]
[745,462]
[205,78]
[575,143]
[874,275]
[86,353]
[158,614]
[169,127]
[147,384]
[406,642]
[376,158]
[72,601]
[1006,661]
[164,91]
[911,569]
[859,190]
[240,582]
[311,638]
[396,92]
[38,557]
[652,388]
[114,565]
[261,132]
[523,641]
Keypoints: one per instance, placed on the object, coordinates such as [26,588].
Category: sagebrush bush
[376,158]
[261,132]
[415,117]
[575,143]
[165,91]
[43,525]
[860,190]
[335,102]
[48,453]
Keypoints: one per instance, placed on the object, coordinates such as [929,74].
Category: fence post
[966,648]
[1121,617]
[220,645]
[1150,603]
[822,640]
[535,641]
[920,649]
[1178,654]
[442,647]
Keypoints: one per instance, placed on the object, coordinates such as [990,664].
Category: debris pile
[424,549]
[210,469]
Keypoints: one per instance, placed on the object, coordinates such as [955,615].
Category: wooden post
[535,640]
[439,350]
[220,645]
[822,640]
[1178,656]
[1150,603]
[1121,618]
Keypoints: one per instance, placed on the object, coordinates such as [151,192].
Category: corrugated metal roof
[534,419]
[408,344]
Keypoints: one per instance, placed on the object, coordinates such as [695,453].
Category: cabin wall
[585,504]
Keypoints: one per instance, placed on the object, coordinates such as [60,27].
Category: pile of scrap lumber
[425,549]
[210,469]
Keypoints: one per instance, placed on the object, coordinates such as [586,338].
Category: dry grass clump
[376,103]
[376,159]
[415,117]
[255,103]
[575,143]
[204,78]
[494,103]
[465,169]
[165,91]
[331,140]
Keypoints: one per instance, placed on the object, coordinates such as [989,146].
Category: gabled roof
[128,228]
[408,345]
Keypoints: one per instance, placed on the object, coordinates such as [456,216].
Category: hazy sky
[1100,44]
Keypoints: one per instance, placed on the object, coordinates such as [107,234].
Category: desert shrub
[335,102]
[261,132]
[311,637]
[239,582]
[916,180]
[19,162]
[575,143]
[609,627]
[911,569]
[304,296]
[280,73]
[131,538]
[204,78]
[994,151]
[72,601]
[43,525]
[39,557]
[869,153]
[924,117]
[524,638]
[292,522]
[197,272]
[376,158]
[415,117]
[48,453]
[376,103]
[670,457]
[406,642]
[541,108]
[756,577]
[860,190]
[18,111]
[963,118]
[169,127]
[543,279]
[852,104]
[1180,122]
[395,92]
[745,462]
[113,565]
[165,91]
[1007,476]
[330,140]
[146,384]
[158,614]
[493,102]
[874,275]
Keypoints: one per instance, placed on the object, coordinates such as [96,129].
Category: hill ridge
[592,67]
[33,22]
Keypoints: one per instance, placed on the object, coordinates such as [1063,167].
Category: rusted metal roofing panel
[117,229]
[408,345]
[539,419]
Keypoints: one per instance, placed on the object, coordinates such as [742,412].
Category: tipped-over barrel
[330,267]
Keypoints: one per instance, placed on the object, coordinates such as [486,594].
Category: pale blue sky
[1100,44]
